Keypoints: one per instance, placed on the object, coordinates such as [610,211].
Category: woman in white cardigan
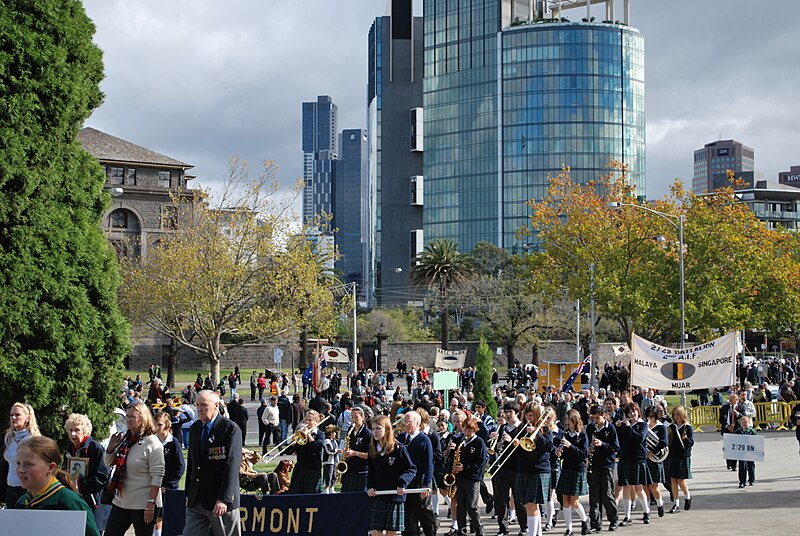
[137,459]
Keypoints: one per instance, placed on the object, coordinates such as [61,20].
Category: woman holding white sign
[679,461]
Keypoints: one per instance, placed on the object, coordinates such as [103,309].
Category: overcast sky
[201,80]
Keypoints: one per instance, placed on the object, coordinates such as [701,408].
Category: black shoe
[633,506]
[547,527]
[741,486]
[661,511]
[489,506]
[675,509]
[646,518]
[568,533]
[448,513]
[626,522]
[555,519]
[502,534]
[584,527]
[688,505]
[612,528]
[594,530]
[753,482]
[652,502]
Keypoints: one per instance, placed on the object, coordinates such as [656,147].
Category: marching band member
[357,453]
[456,438]
[633,473]
[533,469]
[469,474]
[504,478]
[390,468]
[307,474]
[603,448]
[440,465]
[679,461]
[573,451]
[550,518]
[656,468]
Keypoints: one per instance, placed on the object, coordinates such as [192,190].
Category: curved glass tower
[548,94]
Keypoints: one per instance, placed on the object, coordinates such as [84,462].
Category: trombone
[302,436]
[527,442]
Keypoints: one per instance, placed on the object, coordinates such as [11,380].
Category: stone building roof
[108,148]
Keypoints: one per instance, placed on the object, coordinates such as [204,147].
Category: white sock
[633,504]
[646,505]
[447,501]
[660,501]
[688,495]
[534,524]
[678,502]
[435,503]
[551,511]
[581,512]
[628,505]
[568,519]
[512,514]
[156,532]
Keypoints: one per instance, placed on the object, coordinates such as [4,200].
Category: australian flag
[313,374]
[578,371]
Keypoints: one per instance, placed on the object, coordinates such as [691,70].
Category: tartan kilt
[680,468]
[657,474]
[532,488]
[572,482]
[385,514]
[305,480]
[354,482]
[633,473]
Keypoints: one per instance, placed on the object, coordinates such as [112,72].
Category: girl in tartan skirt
[533,468]
[574,451]
[656,468]
[307,474]
[681,441]
[633,472]
[390,468]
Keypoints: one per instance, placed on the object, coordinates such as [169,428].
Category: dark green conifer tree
[62,338]
[483,377]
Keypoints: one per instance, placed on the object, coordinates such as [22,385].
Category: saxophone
[341,467]
[450,478]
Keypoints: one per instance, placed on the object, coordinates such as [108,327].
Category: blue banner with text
[313,515]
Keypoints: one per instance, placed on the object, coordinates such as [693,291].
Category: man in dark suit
[418,507]
[728,416]
[212,474]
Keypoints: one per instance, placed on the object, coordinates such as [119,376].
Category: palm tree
[438,268]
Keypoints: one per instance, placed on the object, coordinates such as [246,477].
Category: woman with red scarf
[90,483]
[138,461]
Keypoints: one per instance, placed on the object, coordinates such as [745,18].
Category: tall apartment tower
[712,162]
[514,90]
[394,131]
[319,152]
[350,207]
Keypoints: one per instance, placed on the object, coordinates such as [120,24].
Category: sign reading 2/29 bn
[710,364]
[749,448]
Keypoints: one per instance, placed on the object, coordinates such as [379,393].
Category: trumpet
[493,445]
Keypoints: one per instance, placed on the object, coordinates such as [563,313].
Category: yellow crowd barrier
[772,415]
[704,416]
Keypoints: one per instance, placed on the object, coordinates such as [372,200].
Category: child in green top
[747,469]
[48,487]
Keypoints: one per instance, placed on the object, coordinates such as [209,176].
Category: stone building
[142,183]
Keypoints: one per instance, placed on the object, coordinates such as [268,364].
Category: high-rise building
[712,162]
[350,209]
[394,127]
[319,152]
[513,91]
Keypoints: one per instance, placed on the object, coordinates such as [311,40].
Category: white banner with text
[710,364]
[749,448]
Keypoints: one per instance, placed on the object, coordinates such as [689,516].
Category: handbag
[108,494]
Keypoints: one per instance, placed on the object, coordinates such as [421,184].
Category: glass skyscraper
[512,93]
[319,152]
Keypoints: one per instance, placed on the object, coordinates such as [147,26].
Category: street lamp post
[679,226]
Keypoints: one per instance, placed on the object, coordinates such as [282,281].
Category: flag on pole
[578,371]
[316,373]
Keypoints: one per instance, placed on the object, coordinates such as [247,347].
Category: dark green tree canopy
[63,339]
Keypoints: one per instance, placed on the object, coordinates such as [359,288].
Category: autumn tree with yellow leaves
[731,277]
[239,272]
